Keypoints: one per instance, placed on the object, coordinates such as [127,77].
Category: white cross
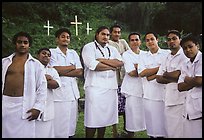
[87,28]
[48,27]
[76,23]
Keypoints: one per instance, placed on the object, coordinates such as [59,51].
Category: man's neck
[63,49]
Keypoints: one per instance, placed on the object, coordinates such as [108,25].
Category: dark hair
[114,26]
[40,50]
[100,29]
[189,37]
[151,33]
[25,34]
[176,32]
[61,30]
[134,33]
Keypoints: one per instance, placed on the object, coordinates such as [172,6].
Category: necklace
[97,47]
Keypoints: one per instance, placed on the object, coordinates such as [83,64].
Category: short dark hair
[134,33]
[25,34]
[41,49]
[155,34]
[176,32]
[189,37]
[61,30]
[114,26]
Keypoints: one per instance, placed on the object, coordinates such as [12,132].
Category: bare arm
[51,83]
[134,73]
[63,70]
[104,67]
[162,80]
[189,83]
[149,72]
[174,75]
[194,81]
[75,73]
[111,62]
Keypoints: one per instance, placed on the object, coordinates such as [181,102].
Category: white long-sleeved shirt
[35,83]
[104,79]
[48,113]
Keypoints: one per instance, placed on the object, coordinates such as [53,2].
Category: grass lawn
[80,131]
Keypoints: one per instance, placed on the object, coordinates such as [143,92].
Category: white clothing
[73,117]
[152,89]
[67,93]
[132,89]
[101,79]
[101,107]
[121,46]
[134,112]
[69,87]
[173,98]
[193,128]
[193,104]
[173,63]
[100,87]
[154,94]
[13,126]
[154,118]
[34,96]
[131,85]
[62,118]
[174,121]
[35,84]
[45,127]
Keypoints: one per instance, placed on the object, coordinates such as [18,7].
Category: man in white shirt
[168,74]
[190,81]
[132,87]
[24,90]
[153,92]
[101,101]
[67,63]
[122,46]
[45,127]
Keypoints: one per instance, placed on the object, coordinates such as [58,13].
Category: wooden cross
[87,28]
[48,27]
[76,23]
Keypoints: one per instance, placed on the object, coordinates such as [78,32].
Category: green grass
[80,130]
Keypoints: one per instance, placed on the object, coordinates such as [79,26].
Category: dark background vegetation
[132,16]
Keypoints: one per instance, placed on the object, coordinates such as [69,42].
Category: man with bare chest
[24,89]
[12,86]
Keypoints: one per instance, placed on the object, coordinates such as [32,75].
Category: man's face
[22,45]
[151,41]
[116,34]
[103,37]
[190,49]
[44,57]
[173,41]
[63,39]
[134,41]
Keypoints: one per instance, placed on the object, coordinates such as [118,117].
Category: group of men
[161,90]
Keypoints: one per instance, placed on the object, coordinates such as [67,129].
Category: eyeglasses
[134,39]
[20,42]
[173,38]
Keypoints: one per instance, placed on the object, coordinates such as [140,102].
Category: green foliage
[132,16]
